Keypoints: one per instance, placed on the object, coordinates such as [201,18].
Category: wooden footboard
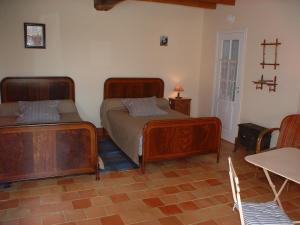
[48,150]
[174,138]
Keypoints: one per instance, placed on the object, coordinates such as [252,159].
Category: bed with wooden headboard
[30,151]
[166,138]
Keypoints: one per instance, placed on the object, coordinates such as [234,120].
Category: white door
[227,82]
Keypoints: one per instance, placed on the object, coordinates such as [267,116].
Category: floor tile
[188,205]
[153,202]
[65,181]
[213,182]
[112,220]
[170,190]
[89,222]
[208,222]
[152,222]
[88,193]
[28,184]
[172,220]
[94,212]
[32,220]
[30,201]
[187,187]
[68,223]
[14,203]
[74,215]
[82,203]
[288,206]
[170,209]
[69,196]
[53,219]
[4,195]
[204,202]
[119,198]
[171,174]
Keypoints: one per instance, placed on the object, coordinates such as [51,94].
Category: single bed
[153,138]
[50,149]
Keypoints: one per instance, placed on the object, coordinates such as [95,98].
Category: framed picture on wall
[34,35]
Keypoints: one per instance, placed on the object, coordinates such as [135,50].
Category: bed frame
[171,138]
[44,150]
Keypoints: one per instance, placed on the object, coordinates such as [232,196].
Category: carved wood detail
[38,151]
[133,87]
[165,139]
[36,88]
[17,156]
[73,149]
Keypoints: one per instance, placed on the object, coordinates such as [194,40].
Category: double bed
[30,150]
[154,137]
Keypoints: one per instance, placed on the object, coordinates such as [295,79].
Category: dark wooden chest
[248,134]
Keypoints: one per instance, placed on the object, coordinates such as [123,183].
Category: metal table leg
[277,194]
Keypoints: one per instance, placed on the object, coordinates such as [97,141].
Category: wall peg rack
[270,83]
[272,44]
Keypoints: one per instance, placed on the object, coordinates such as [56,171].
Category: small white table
[284,162]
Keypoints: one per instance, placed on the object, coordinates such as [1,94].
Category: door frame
[241,69]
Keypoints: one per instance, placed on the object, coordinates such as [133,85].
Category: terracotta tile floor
[189,191]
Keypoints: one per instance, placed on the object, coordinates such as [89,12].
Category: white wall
[264,19]
[91,45]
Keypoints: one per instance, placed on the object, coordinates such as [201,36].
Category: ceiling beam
[105,5]
[209,4]
[225,2]
[193,3]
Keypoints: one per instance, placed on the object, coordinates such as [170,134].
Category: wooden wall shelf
[270,83]
[275,44]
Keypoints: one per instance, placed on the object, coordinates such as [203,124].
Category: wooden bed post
[97,171]
[142,164]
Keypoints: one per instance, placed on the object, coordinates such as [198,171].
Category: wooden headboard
[36,88]
[133,87]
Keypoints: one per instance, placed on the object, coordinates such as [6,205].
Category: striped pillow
[38,112]
[143,107]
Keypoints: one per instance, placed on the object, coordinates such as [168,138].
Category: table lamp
[179,89]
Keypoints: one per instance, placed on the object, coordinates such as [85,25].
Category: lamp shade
[178,88]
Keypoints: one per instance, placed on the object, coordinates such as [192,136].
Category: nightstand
[182,105]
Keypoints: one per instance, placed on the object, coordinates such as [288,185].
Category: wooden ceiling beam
[209,4]
[225,2]
[193,3]
[104,5]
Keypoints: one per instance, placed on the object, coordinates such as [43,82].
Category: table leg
[277,194]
